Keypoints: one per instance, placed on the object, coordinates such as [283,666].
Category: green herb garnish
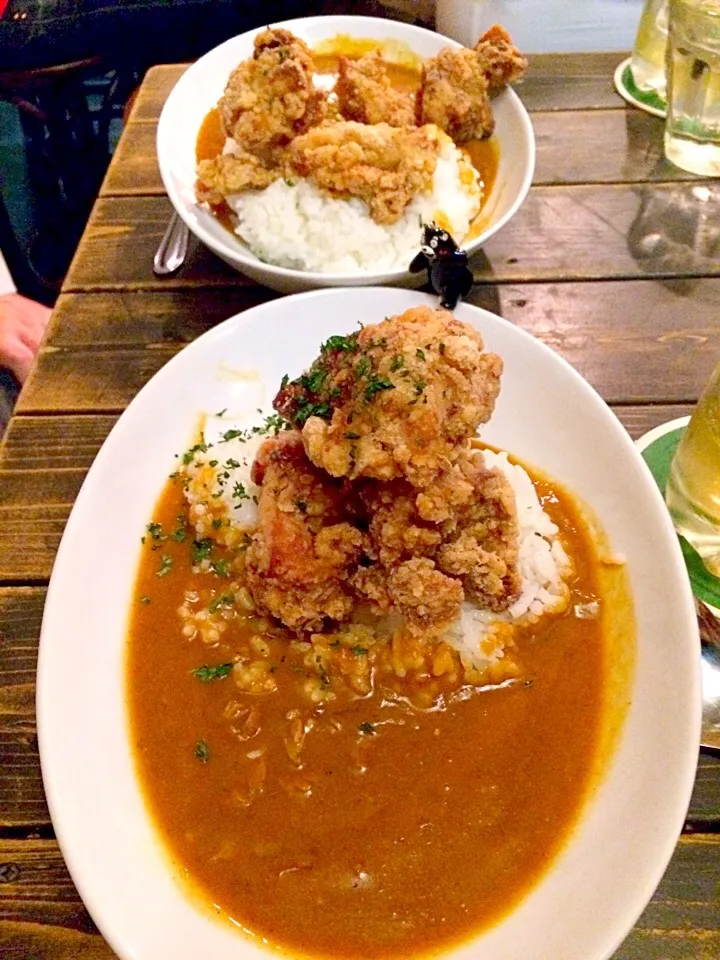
[206,674]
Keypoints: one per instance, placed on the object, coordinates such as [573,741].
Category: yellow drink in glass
[648,55]
[693,489]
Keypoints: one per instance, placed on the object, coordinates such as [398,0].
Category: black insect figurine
[445,263]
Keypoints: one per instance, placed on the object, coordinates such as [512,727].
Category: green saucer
[658,448]
[648,101]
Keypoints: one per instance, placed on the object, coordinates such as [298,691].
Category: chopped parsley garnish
[367,728]
[200,549]
[206,674]
[314,380]
[307,410]
[376,384]
[221,567]
[239,492]
[359,651]
[201,751]
[420,354]
[222,412]
[232,435]
[155,531]
[397,361]
[346,344]
[166,564]
[274,423]
[224,600]
[179,533]
[363,366]
[189,455]
[231,464]
[217,523]
[420,386]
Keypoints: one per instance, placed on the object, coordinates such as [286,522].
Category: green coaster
[648,101]
[658,448]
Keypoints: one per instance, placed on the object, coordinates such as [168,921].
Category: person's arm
[22,325]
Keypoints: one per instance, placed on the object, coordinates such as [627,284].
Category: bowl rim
[626,914]
[236,251]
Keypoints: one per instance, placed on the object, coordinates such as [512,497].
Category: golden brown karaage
[303,551]
[366,94]
[455,96]
[501,60]
[231,173]
[271,98]
[397,399]
[384,166]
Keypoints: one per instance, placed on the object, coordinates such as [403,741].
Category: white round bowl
[588,900]
[199,89]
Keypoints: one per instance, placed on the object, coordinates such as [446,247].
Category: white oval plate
[546,414]
[200,87]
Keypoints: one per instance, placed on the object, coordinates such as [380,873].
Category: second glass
[648,55]
[693,488]
[692,131]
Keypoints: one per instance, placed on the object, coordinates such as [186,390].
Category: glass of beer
[692,129]
[693,488]
[648,55]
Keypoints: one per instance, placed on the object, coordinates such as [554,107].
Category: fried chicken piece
[427,599]
[501,60]
[481,537]
[231,173]
[365,93]
[454,94]
[384,166]
[271,98]
[399,398]
[471,532]
[303,551]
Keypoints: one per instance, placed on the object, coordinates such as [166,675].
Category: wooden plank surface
[567,152]
[598,231]
[41,915]
[546,86]
[636,342]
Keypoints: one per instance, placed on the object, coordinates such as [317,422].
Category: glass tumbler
[693,488]
[648,55]
[692,128]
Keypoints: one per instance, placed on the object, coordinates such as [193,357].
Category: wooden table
[579,267]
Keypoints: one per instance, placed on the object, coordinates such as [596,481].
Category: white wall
[545,26]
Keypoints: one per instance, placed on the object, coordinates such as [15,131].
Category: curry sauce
[402,827]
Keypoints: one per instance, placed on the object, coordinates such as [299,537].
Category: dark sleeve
[42,33]
[9,390]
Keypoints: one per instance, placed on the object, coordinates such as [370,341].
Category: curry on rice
[367,660]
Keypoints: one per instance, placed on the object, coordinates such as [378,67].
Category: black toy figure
[446,265]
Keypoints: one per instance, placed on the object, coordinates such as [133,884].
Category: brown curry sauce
[404,830]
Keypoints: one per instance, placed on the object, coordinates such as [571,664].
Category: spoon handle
[173,247]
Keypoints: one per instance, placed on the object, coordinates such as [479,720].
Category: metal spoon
[173,247]
[710,670]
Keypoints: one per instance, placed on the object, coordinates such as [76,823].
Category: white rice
[219,486]
[294,224]
[479,635]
